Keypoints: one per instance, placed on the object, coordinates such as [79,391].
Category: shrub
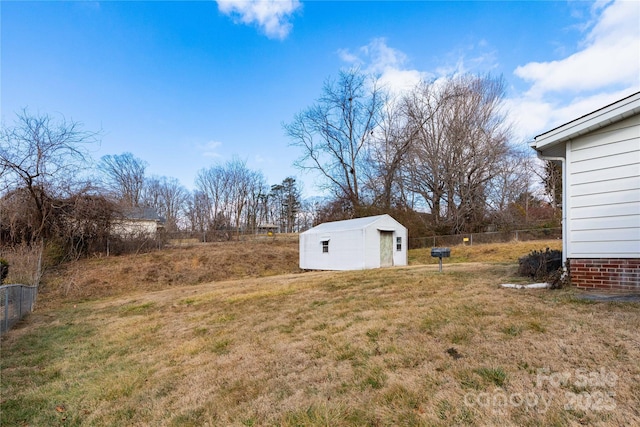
[541,265]
[4,270]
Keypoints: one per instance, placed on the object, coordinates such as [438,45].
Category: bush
[541,265]
[4,270]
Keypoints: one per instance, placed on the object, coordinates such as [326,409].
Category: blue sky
[184,85]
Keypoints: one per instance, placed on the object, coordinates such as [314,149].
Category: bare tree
[285,201]
[390,145]
[483,136]
[232,194]
[292,195]
[308,213]
[509,193]
[427,161]
[211,184]
[462,138]
[197,212]
[124,176]
[44,156]
[17,218]
[335,134]
[244,188]
[258,190]
[552,179]
[85,224]
[168,197]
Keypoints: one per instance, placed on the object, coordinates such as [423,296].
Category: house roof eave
[597,119]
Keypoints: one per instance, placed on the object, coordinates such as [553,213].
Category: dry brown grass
[23,264]
[398,346]
[204,263]
[181,266]
[494,252]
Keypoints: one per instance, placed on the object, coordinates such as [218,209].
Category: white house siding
[604,192]
[134,228]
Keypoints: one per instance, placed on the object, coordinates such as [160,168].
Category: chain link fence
[490,237]
[16,301]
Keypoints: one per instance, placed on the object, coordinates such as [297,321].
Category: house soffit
[595,120]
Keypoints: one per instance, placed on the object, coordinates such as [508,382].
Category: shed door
[386,248]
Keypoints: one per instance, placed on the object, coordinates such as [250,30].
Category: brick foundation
[613,274]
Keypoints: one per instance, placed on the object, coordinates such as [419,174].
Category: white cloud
[271,16]
[473,57]
[382,57]
[387,63]
[210,149]
[605,67]
[529,117]
[390,64]
[348,57]
[401,81]
[583,105]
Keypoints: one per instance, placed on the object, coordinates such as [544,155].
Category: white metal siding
[604,192]
[350,248]
[372,247]
[346,251]
[400,256]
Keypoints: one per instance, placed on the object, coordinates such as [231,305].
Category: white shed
[600,155]
[354,244]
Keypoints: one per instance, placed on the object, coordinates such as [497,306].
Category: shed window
[398,243]
[325,246]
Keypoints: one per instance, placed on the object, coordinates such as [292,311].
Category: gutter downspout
[564,205]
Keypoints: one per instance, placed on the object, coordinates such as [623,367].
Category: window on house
[325,246]
[398,243]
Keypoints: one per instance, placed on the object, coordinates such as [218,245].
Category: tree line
[439,158]
[53,194]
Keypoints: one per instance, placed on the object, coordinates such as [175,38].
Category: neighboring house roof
[597,119]
[349,224]
[142,214]
[267,226]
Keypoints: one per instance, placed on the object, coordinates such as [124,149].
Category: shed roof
[612,113]
[349,224]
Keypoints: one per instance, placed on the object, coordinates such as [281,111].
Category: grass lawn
[397,346]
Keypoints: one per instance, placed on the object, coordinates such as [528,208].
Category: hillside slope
[182,266]
[104,277]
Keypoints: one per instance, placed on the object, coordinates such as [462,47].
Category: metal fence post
[16,295]
[6,309]
[467,239]
[20,304]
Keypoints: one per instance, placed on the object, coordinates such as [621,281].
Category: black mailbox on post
[440,253]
